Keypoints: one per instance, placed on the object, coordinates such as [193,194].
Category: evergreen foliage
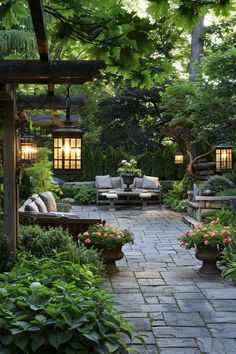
[5,258]
[111,161]
[234,174]
[98,161]
[88,170]
[145,163]
[157,163]
[169,162]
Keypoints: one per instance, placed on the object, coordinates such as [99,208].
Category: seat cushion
[31,207]
[116,182]
[41,205]
[104,181]
[150,182]
[138,182]
[49,201]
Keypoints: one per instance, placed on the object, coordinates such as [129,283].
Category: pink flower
[98,233]
[86,233]
[87,241]
[206,242]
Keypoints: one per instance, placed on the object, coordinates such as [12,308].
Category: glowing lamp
[224,158]
[28,152]
[179,158]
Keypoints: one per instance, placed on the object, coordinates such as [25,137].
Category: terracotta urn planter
[110,257]
[209,255]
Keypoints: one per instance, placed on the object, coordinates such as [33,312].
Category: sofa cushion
[116,182]
[49,201]
[150,182]
[41,205]
[31,207]
[104,181]
[138,182]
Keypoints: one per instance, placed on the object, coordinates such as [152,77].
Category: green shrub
[227,192]
[169,162]
[88,172]
[157,164]
[174,195]
[55,306]
[85,195]
[234,174]
[5,258]
[69,192]
[44,243]
[182,206]
[98,161]
[225,217]
[217,184]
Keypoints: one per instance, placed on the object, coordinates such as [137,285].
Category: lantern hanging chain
[68,104]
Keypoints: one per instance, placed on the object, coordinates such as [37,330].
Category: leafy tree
[157,163]
[40,173]
[111,161]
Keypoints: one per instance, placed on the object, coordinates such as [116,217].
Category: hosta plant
[56,306]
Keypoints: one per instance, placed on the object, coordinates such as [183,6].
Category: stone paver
[161,292]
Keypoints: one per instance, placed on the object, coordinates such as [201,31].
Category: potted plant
[109,241]
[128,170]
[209,241]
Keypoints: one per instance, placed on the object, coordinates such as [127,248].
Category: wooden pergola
[43,71]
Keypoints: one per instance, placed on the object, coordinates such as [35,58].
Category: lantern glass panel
[179,159]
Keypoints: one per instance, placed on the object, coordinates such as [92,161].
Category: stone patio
[160,291]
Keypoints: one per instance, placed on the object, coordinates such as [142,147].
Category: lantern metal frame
[224,157]
[67,146]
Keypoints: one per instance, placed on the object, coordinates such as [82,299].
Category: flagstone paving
[161,292]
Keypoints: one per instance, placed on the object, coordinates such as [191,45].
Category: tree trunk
[196,48]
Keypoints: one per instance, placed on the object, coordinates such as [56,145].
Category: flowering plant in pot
[209,241]
[109,241]
[128,170]
[129,167]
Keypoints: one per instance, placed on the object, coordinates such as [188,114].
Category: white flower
[35,284]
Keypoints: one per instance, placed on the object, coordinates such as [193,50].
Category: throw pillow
[31,207]
[49,201]
[150,182]
[103,181]
[116,182]
[138,182]
[40,204]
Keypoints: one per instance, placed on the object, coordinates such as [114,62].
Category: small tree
[40,174]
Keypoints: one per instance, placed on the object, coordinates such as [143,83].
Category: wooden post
[10,218]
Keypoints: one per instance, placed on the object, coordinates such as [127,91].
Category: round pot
[209,255]
[110,257]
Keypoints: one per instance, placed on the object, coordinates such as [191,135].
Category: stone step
[189,220]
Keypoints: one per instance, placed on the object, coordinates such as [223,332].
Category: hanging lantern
[67,149]
[179,158]
[223,157]
[28,152]
[67,146]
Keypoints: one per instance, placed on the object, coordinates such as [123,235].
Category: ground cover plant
[217,184]
[56,306]
[44,243]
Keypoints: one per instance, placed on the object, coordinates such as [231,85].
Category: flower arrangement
[129,167]
[212,234]
[106,236]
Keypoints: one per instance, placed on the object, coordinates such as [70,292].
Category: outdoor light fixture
[28,149]
[67,146]
[223,157]
[179,158]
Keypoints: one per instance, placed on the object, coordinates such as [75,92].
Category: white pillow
[150,182]
[103,181]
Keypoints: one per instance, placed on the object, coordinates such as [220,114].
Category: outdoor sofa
[42,209]
[146,189]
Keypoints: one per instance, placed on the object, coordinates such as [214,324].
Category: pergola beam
[48,102]
[56,72]
[6,93]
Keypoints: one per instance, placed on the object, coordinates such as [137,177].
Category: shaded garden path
[161,292]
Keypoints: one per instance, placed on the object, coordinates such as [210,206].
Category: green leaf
[158,9]
[6,339]
[21,342]
[58,338]
[111,347]
[36,343]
